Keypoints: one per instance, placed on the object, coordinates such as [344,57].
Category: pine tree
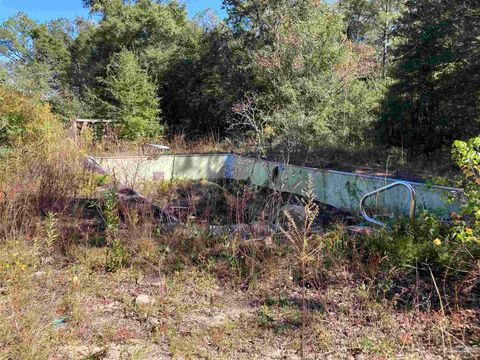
[372,22]
[435,98]
[135,104]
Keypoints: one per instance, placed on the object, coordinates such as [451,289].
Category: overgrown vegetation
[91,269]
[350,74]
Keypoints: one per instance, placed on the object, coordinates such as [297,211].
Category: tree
[38,60]
[199,93]
[26,73]
[372,22]
[159,33]
[134,104]
[436,95]
[304,70]
[359,18]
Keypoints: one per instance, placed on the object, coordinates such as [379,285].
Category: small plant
[49,234]
[51,231]
[117,256]
[300,236]
[264,316]
[110,215]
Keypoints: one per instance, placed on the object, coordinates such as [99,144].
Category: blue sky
[44,10]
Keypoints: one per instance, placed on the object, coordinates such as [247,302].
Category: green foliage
[435,95]
[467,224]
[11,127]
[17,113]
[16,38]
[38,55]
[308,79]
[50,233]
[39,62]
[428,242]
[312,72]
[158,32]
[110,214]
[134,105]
[117,256]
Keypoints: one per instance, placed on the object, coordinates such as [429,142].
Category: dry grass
[69,307]
[230,296]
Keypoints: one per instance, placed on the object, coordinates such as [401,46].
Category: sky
[45,10]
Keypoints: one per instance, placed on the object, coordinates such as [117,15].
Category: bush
[17,113]
[407,244]
[42,170]
[452,246]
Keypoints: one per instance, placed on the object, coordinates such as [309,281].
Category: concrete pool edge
[340,189]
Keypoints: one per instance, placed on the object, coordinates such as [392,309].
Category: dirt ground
[190,295]
[74,310]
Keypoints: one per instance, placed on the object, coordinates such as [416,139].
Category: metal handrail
[385,188]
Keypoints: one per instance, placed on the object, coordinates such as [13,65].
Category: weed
[117,256]
[49,234]
[264,317]
[300,238]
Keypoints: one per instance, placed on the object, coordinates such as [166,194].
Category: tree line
[353,73]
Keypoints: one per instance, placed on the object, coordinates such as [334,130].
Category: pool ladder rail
[412,206]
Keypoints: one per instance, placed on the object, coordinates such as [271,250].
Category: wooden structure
[101,127]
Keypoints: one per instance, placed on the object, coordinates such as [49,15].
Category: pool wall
[342,190]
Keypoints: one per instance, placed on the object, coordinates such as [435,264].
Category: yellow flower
[469,231]
[268,131]
[437,242]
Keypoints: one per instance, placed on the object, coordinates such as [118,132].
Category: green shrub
[117,255]
[454,246]
[426,241]
[17,113]
[467,224]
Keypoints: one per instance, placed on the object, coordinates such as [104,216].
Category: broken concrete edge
[128,193]
[231,157]
[339,189]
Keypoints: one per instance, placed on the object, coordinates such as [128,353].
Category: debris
[111,307]
[153,321]
[158,146]
[295,212]
[47,260]
[59,322]
[151,280]
[243,231]
[84,352]
[39,274]
[362,230]
[144,300]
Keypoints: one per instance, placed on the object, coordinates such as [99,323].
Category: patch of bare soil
[191,315]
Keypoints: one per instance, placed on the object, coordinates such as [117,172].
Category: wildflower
[469,231]
[268,131]
[437,242]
